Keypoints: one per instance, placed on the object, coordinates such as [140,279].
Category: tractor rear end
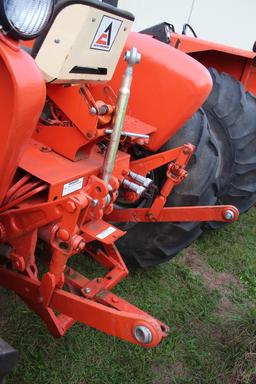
[95,160]
[230,111]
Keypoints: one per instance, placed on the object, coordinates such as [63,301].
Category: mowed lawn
[208,297]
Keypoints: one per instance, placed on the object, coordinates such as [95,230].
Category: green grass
[204,346]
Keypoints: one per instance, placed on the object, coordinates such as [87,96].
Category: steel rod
[132,57]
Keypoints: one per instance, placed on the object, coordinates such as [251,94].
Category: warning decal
[106,233]
[73,186]
[106,33]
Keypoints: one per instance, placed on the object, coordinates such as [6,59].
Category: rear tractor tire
[149,244]
[231,113]
[222,171]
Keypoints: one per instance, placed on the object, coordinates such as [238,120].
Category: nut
[142,334]
[229,215]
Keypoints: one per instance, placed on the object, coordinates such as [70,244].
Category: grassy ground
[207,296]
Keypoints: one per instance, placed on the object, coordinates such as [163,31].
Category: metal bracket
[105,312]
[176,173]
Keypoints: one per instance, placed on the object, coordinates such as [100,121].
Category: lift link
[175,175]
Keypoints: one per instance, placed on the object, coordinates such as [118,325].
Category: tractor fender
[22,95]
[238,63]
[168,87]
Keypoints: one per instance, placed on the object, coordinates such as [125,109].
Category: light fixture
[25,19]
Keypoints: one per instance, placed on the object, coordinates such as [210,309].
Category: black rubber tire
[149,244]
[231,112]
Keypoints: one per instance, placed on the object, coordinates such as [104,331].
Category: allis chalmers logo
[106,34]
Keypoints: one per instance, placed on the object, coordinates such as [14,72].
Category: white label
[73,186]
[106,233]
[106,33]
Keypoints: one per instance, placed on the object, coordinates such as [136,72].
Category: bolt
[17,264]
[93,111]
[93,19]
[229,215]
[89,135]
[87,290]
[186,151]
[78,243]
[45,149]
[115,300]
[81,245]
[108,200]
[142,334]
[56,41]
[70,206]
[95,202]
[63,234]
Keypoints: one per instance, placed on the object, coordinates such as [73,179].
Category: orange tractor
[111,143]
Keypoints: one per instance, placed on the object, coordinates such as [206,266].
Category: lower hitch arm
[224,213]
[106,312]
[89,301]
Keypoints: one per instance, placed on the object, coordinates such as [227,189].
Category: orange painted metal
[175,175]
[239,63]
[176,214]
[190,44]
[147,164]
[77,128]
[46,295]
[168,87]
[68,148]
[22,95]
[69,224]
[56,170]
[118,319]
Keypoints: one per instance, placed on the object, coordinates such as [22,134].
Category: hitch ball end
[132,57]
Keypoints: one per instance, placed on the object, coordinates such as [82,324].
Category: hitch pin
[132,57]
[128,134]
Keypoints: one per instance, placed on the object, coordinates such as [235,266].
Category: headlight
[25,19]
